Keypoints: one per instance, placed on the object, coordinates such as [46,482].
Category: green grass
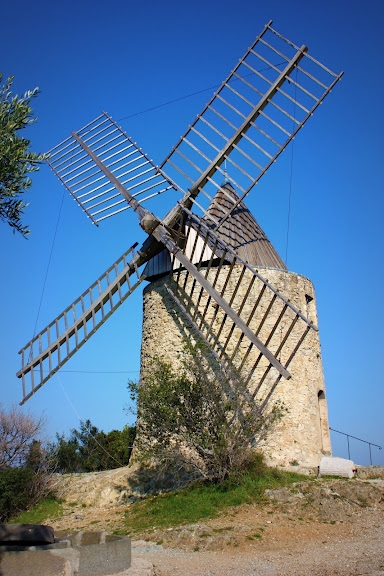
[256,536]
[200,501]
[46,508]
[186,506]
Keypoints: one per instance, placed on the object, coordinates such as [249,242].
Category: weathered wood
[62,342]
[161,234]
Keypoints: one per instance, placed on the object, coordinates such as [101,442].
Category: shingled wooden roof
[241,231]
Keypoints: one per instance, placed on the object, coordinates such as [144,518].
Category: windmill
[212,270]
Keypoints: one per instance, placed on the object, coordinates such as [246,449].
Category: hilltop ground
[321,527]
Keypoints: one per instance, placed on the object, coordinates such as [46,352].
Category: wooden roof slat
[241,232]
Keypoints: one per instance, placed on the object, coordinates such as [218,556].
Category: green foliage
[16,491]
[47,508]
[206,499]
[119,444]
[200,417]
[16,160]
[65,456]
[36,458]
[90,449]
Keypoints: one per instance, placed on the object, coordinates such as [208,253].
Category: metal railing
[360,440]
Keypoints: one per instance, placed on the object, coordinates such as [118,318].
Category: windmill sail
[259,108]
[86,182]
[52,347]
[229,299]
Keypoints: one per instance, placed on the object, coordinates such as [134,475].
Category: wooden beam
[161,234]
[203,179]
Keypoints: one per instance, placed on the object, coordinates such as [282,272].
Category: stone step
[73,554]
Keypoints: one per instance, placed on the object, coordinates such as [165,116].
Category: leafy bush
[200,418]
[18,491]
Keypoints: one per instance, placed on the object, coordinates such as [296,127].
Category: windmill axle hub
[149,222]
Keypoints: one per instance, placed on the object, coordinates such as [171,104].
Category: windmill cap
[241,231]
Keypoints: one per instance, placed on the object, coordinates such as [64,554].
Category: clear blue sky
[126,57]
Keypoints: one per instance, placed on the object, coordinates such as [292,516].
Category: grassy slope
[185,506]
[46,508]
[200,501]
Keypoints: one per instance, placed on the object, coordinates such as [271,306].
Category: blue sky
[125,58]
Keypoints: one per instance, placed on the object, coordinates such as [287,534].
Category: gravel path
[359,553]
[322,528]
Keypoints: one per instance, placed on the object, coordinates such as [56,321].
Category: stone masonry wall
[302,436]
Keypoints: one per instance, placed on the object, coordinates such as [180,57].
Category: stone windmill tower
[212,270]
[303,435]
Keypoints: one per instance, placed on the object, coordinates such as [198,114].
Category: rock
[283,495]
[370,472]
[358,492]
[28,534]
[195,537]
[331,466]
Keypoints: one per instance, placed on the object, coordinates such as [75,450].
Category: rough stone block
[89,538]
[107,558]
[35,562]
[332,466]
[108,554]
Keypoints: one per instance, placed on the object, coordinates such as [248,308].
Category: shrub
[19,489]
[201,418]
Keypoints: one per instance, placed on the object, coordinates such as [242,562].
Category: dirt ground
[326,527]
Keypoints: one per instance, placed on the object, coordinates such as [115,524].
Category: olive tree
[17,161]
